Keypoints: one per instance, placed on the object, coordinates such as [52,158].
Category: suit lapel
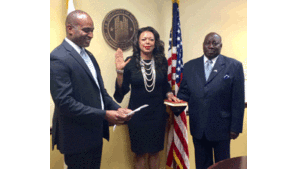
[97,68]
[202,73]
[218,67]
[79,59]
[101,85]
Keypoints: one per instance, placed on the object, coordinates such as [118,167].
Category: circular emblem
[118,28]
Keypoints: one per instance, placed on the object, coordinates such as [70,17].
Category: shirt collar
[214,60]
[76,47]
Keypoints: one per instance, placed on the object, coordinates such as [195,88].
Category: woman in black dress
[145,73]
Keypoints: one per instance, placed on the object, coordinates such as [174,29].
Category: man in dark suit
[213,86]
[83,108]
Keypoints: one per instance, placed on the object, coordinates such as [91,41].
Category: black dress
[146,127]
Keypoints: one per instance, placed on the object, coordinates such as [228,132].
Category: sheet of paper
[136,110]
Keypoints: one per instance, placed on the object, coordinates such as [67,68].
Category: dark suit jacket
[216,106]
[78,120]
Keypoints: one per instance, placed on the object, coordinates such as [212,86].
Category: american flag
[177,148]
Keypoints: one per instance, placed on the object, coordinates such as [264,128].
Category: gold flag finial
[177,1]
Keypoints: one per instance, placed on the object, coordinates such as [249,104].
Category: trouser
[204,151]
[90,159]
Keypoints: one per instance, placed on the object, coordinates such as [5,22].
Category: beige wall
[228,18]
[198,18]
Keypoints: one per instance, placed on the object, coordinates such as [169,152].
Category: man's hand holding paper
[119,116]
[129,113]
[125,113]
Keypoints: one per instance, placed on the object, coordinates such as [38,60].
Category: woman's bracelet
[169,93]
[120,71]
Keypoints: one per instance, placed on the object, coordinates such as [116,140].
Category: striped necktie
[208,67]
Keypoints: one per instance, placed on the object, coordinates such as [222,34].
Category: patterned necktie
[90,65]
[208,67]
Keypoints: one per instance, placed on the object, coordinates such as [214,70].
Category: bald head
[79,28]
[75,16]
[213,34]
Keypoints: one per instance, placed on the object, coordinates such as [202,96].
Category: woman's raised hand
[120,64]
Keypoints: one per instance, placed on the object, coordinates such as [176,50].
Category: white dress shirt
[214,60]
[76,47]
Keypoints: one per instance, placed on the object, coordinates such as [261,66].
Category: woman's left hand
[171,97]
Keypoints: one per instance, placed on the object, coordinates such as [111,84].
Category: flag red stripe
[180,136]
[174,56]
[170,61]
[183,118]
[170,155]
[170,77]
[179,157]
[173,69]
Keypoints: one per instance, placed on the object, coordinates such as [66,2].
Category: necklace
[152,74]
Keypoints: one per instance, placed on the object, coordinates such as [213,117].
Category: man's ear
[69,28]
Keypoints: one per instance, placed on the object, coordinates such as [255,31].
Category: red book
[175,104]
